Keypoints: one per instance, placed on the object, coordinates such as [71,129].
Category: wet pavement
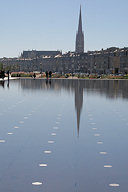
[63,135]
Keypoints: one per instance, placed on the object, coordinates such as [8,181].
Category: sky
[52,25]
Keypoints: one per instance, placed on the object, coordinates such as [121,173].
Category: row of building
[112,60]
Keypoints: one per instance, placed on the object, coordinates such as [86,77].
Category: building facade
[109,61]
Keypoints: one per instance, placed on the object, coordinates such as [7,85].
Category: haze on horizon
[52,25]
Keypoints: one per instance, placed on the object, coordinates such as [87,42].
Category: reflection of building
[110,88]
[80,37]
[78,102]
[75,85]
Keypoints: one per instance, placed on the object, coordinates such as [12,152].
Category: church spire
[80,22]
[80,36]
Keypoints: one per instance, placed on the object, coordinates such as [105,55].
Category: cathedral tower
[80,36]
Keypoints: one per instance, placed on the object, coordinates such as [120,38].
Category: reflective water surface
[63,135]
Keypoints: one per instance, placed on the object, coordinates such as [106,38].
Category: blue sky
[52,25]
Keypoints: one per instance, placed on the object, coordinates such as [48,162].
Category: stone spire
[80,22]
[80,36]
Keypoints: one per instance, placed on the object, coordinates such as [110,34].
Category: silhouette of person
[8,74]
[46,74]
[50,74]
[34,75]
[2,74]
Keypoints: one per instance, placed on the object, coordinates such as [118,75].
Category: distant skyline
[52,25]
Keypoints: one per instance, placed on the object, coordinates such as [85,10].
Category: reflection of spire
[78,103]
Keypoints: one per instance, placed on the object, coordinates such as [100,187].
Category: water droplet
[53,134]
[114,185]
[51,142]
[94,128]
[92,123]
[100,142]
[16,127]
[107,166]
[37,183]
[55,128]
[2,141]
[43,165]
[48,152]
[21,122]
[25,117]
[103,153]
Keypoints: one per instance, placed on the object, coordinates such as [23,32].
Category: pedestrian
[50,74]
[34,75]
[46,74]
